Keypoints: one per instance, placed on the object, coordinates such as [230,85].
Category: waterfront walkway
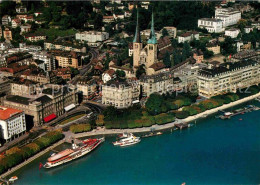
[103,131]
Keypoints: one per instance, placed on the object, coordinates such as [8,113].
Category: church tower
[152,46]
[137,45]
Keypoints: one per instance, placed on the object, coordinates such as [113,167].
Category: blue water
[213,151]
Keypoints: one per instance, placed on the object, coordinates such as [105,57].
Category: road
[86,68]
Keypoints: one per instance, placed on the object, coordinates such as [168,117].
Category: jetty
[249,108]
[182,125]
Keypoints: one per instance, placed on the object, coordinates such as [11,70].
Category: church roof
[153,39]
[137,38]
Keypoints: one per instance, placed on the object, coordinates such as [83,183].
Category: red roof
[49,118]
[6,113]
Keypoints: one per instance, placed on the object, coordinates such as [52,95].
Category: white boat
[130,140]
[12,179]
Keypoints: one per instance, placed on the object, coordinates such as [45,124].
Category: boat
[12,179]
[159,133]
[152,134]
[123,135]
[77,151]
[130,140]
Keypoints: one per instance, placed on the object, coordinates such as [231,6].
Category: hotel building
[228,77]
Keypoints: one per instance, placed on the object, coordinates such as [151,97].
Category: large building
[229,16]
[146,55]
[212,25]
[12,123]
[65,46]
[158,83]
[233,32]
[92,36]
[48,104]
[188,36]
[47,58]
[68,59]
[228,77]
[120,94]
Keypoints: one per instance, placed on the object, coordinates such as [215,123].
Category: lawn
[53,33]
[71,119]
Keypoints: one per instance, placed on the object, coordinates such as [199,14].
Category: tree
[241,24]
[154,103]
[186,51]
[228,46]
[120,75]
[167,59]
[140,71]
[164,32]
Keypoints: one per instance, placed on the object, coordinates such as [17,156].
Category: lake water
[213,151]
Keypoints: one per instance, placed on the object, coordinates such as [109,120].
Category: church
[146,55]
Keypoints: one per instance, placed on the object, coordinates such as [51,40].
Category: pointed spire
[137,38]
[153,39]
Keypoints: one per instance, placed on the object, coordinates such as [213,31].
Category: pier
[228,115]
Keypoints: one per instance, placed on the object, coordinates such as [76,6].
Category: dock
[182,125]
[228,115]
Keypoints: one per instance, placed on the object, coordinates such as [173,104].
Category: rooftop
[6,113]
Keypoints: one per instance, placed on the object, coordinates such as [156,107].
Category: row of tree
[16,155]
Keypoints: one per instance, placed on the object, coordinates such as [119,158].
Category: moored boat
[130,140]
[77,151]
[12,179]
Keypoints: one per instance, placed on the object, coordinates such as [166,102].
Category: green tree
[154,103]
[140,71]
[186,51]
[164,32]
[167,59]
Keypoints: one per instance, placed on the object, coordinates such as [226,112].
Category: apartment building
[68,59]
[92,36]
[229,16]
[64,46]
[87,87]
[34,37]
[120,94]
[12,123]
[48,58]
[214,47]
[172,31]
[211,24]
[7,34]
[188,36]
[159,83]
[233,32]
[228,77]
[6,19]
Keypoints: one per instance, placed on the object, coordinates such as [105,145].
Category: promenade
[104,131]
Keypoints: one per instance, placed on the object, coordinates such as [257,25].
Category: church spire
[137,38]
[153,39]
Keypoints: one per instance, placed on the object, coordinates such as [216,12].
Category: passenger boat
[77,151]
[130,140]
[12,179]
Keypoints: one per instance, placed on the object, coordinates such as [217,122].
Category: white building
[188,36]
[211,24]
[229,16]
[12,123]
[92,36]
[108,75]
[49,60]
[233,32]
[172,31]
[16,23]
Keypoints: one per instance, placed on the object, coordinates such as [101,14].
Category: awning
[69,107]
[49,118]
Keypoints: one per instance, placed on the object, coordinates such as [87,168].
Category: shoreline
[135,130]
[168,125]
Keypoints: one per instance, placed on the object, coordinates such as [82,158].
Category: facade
[7,34]
[16,23]
[21,9]
[23,87]
[46,105]
[229,16]
[120,94]
[159,83]
[87,87]
[147,55]
[233,32]
[228,77]
[34,37]
[108,75]
[68,59]
[64,47]
[12,123]
[188,36]
[49,59]
[6,19]
[25,28]
[211,24]
[214,47]
[92,36]
[198,56]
